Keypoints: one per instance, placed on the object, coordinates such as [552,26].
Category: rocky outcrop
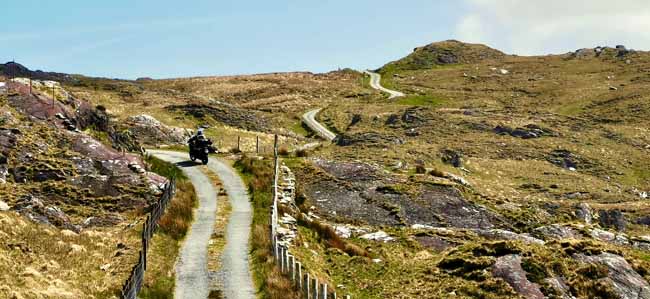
[35,210]
[452,157]
[627,283]
[527,132]
[556,232]
[583,213]
[227,114]
[103,167]
[566,159]
[501,234]
[612,219]
[148,130]
[508,268]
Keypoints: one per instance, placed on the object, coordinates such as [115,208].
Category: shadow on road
[186,164]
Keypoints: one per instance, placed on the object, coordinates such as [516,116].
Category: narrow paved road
[375,82]
[237,279]
[309,119]
[192,281]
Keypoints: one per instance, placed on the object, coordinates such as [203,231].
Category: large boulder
[627,283]
[556,232]
[583,212]
[508,268]
[148,130]
[612,218]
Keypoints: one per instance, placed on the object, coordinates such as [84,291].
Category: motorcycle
[200,149]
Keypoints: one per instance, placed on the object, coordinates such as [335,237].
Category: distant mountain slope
[443,53]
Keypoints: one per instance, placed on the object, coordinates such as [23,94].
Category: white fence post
[324,291]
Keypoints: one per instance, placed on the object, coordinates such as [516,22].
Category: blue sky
[161,39]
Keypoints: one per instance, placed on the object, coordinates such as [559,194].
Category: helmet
[199,132]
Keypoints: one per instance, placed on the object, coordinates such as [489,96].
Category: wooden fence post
[281,259]
[257,144]
[238,140]
[305,286]
[291,268]
[314,286]
[299,275]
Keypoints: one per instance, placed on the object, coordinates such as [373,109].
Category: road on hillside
[375,82]
[192,280]
[309,118]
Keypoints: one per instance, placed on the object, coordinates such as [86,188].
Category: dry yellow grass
[38,261]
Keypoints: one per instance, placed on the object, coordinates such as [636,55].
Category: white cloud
[529,27]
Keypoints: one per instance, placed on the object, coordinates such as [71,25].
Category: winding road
[309,119]
[192,280]
[375,82]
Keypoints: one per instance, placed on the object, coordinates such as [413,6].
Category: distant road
[375,82]
[192,278]
[309,119]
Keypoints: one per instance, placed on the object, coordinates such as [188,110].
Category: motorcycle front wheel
[204,160]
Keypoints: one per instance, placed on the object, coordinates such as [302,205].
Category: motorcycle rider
[200,147]
[198,138]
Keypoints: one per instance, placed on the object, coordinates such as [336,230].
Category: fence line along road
[133,284]
[289,264]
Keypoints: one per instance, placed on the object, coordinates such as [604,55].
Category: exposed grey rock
[501,234]
[103,221]
[627,282]
[609,237]
[35,210]
[148,130]
[612,218]
[556,231]
[564,159]
[508,267]
[583,212]
[560,286]
[452,157]
[527,132]
[378,236]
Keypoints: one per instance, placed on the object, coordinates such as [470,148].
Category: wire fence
[133,284]
[288,263]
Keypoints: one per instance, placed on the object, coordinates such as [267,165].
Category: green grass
[299,128]
[258,175]
[420,100]
[165,169]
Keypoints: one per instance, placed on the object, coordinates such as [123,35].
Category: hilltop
[443,53]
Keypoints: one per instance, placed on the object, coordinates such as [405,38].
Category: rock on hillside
[444,53]
[60,175]
[148,130]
